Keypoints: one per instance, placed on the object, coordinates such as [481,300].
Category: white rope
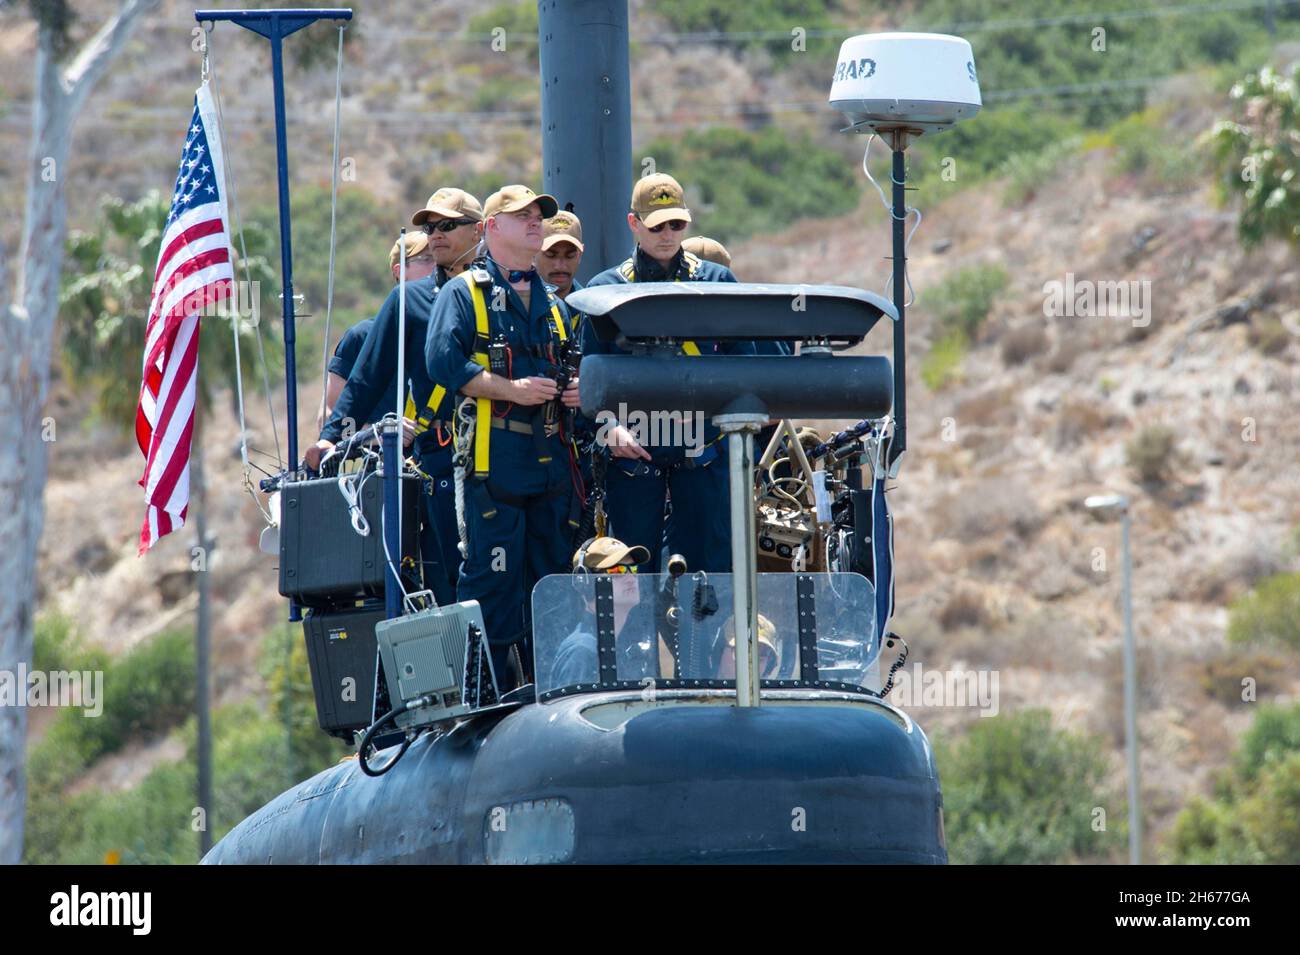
[462,442]
[334,207]
[210,77]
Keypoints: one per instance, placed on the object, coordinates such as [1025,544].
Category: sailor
[419,264]
[576,658]
[711,250]
[452,219]
[640,479]
[495,336]
[561,253]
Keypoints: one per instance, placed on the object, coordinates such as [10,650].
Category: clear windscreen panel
[682,631]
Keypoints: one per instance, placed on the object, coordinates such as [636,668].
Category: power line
[162,117]
[725,37]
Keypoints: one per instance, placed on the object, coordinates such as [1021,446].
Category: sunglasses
[677,225]
[445,225]
[622,569]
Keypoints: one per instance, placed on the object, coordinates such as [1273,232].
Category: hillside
[997,558]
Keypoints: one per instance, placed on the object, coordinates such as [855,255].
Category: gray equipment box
[425,654]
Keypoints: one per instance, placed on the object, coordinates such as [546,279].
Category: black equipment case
[324,562]
[342,655]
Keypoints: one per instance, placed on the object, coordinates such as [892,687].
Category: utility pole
[587,121]
[1109,504]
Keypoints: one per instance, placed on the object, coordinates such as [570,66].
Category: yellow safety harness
[476,279]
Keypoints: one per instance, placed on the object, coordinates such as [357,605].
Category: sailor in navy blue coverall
[369,392]
[520,484]
[639,480]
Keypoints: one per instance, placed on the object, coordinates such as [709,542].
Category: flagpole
[275,25]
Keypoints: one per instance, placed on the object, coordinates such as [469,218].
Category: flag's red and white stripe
[194,271]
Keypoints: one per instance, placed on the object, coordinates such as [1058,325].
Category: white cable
[334,207]
[889,282]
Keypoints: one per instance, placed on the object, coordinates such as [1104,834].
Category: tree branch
[93,59]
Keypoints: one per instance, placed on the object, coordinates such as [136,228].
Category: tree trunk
[27,330]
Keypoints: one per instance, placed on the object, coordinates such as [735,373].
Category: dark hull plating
[611,778]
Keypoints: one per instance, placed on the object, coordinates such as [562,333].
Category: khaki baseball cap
[514,198]
[710,249]
[562,227]
[451,203]
[606,552]
[416,243]
[659,198]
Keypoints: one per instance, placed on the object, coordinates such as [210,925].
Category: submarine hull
[616,777]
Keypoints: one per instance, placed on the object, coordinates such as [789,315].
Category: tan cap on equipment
[710,249]
[450,203]
[606,552]
[659,198]
[416,244]
[514,198]
[562,227]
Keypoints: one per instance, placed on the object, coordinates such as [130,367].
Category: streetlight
[1109,503]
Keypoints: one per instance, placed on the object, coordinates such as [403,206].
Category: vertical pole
[203,641]
[899,216]
[1130,703]
[744,564]
[286,241]
[587,121]
[392,476]
[390,440]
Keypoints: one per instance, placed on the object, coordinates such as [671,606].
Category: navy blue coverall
[369,394]
[345,358]
[637,490]
[517,518]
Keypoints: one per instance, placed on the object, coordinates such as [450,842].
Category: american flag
[194,272]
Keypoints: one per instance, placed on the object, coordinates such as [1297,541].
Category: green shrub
[56,646]
[1270,612]
[1269,334]
[778,17]
[982,147]
[1018,791]
[1152,453]
[1255,816]
[1026,173]
[749,182]
[258,752]
[942,363]
[1274,734]
[518,19]
[147,690]
[1145,147]
[1027,55]
[961,302]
